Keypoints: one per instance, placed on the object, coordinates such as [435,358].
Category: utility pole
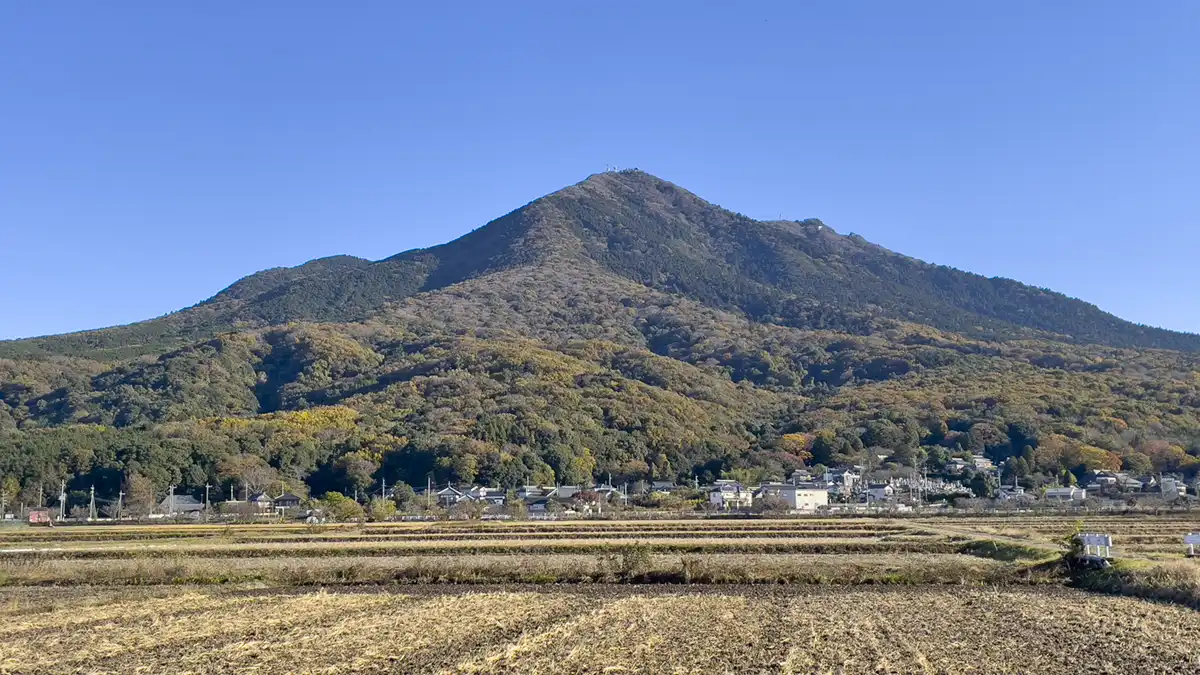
[120,496]
[206,488]
[171,501]
[62,500]
[428,491]
[383,490]
[92,505]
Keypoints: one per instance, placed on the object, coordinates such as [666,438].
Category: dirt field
[844,595]
[594,629]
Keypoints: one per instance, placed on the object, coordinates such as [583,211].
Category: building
[1065,494]
[880,492]
[982,463]
[845,478]
[1173,488]
[449,496]
[1012,493]
[178,505]
[610,493]
[1115,481]
[801,476]
[262,501]
[485,495]
[530,492]
[730,495]
[561,492]
[801,497]
[286,500]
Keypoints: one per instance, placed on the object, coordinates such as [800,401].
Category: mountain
[621,325]
[647,230]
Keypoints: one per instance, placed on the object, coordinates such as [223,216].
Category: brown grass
[608,629]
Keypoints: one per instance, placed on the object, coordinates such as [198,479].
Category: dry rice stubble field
[599,629]
[374,625]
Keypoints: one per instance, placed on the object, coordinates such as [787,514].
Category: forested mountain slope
[620,326]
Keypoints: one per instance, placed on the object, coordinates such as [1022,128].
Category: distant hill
[619,326]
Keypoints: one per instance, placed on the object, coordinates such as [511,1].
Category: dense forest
[621,327]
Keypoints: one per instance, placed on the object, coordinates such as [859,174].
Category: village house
[982,463]
[562,492]
[801,476]
[1065,494]
[846,478]
[1173,488]
[1012,493]
[610,493]
[449,496]
[261,501]
[485,495]
[730,495]
[880,492]
[1114,481]
[802,497]
[530,492]
[179,505]
[286,501]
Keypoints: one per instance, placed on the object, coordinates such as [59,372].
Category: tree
[885,434]
[404,496]
[1137,463]
[381,509]
[797,445]
[139,496]
[357,470]
[249,471]
[579,468]
[771,505]
[9,489]
[985,438]
[983,485]
[340,507]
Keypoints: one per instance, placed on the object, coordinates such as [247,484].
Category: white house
[485,495]
[1065,494]
[801,497]
[729,494]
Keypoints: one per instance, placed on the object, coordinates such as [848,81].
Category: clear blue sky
[151,153]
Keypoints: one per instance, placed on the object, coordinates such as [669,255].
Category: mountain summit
[621,326]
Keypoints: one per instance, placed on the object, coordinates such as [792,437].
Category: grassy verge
[1007,551]
[1176,581]
[631,564]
